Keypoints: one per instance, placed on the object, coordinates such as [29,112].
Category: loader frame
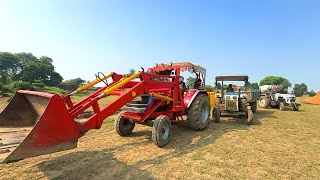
[57,127]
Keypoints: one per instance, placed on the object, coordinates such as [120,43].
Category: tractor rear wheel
[264,102]
[198,113]
[123,125]
[161,131]
[248,118]
[282,106]
[216,115]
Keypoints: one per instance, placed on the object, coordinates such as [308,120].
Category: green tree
[276,80]
[218,85]
[131,72]
[311,93]
[23,85]
[190,82]
[209,88]
[300,89]
[77,82]
[225,86]
[27,67]
[54,79]
[46,60]
[251,86]
[8,66]
[41,70]
[24,58]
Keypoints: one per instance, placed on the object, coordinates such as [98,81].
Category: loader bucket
[35,123]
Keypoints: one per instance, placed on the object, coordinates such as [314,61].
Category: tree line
[26,71]
[298,89]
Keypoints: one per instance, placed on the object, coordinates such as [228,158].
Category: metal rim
[204,113]
[262,102]
[165,131]
[127,124]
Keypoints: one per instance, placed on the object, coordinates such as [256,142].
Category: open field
[279,145]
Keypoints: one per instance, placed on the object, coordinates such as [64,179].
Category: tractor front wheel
[198,113]
[216,115]
[282,106]
[123,125]
[264,102]
[161,131]
[248,118]
[254,107]
[295,107]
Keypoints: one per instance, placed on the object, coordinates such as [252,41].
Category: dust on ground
[279,145]
[313,100]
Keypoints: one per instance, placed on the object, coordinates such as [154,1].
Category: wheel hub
[165,131]
[127,124]
[204,113]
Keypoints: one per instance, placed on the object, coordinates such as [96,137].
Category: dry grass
[279,145]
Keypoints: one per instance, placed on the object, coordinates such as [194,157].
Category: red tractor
[44,122]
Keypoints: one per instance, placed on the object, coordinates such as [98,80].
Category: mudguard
[190,95]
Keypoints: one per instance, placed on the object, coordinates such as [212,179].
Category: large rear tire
[198,113]
[161,131]
[264,102]
[123,126]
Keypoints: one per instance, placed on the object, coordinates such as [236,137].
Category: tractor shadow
[90,165]
[109,164]
[265,113]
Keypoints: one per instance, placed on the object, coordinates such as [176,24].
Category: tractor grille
[292,100]
[231,105]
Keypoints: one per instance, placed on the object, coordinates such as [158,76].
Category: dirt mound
[314,100]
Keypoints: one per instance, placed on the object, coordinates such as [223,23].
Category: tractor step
[135,109]
[137,105]
[132,117]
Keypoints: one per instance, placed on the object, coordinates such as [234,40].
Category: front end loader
[37,123]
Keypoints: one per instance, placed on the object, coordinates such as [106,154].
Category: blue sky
[228,37]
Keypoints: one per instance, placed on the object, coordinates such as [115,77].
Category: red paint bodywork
[58,130]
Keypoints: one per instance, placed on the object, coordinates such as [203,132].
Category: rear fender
[190,95]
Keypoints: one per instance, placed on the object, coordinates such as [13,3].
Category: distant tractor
[271,96]
[235,101]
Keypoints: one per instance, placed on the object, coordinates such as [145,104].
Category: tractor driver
[182,85]
[230,88]
[197,83]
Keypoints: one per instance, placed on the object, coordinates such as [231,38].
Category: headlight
[228,97]
[234,97]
